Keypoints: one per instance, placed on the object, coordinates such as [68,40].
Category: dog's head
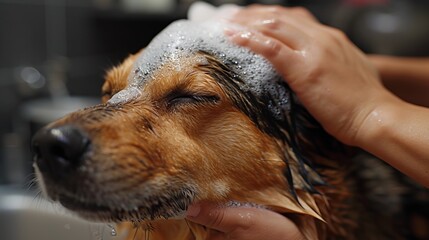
[191,117]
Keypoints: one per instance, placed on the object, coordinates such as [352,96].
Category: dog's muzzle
[59,151]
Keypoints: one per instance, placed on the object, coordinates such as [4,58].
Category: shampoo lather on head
[186,38]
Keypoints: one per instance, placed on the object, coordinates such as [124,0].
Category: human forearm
[398,133]
[406,77]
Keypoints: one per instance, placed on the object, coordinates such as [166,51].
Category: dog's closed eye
[183,98]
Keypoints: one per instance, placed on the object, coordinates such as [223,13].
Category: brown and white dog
[181,122]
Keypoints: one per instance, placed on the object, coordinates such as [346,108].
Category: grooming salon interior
[54,54]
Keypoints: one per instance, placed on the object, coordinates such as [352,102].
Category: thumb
[214,216]
[244,222]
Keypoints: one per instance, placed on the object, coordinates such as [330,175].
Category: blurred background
[54,53]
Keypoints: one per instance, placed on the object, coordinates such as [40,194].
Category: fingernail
[193,210]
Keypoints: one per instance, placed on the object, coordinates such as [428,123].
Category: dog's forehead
[183,39]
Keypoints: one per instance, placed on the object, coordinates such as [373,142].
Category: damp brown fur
[193,135]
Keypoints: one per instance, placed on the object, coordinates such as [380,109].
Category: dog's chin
[166,208]
[164,203]
[97,212]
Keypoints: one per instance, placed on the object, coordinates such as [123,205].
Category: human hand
[331,77]
[238,223]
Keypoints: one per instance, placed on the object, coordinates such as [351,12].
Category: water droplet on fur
[112,230]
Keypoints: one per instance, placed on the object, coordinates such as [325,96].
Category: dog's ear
[116,78]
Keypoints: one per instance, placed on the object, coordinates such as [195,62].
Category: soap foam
[185,38]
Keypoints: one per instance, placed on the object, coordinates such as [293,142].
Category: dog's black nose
[58,151]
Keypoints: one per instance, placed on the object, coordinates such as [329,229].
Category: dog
[193,118]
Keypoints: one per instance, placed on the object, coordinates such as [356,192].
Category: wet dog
[193,118]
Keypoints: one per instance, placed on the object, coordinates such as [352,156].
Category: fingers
[243,223]
[282,30]
[283,57]
[281,35]
[300,18]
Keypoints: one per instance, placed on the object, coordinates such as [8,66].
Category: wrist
[379,123]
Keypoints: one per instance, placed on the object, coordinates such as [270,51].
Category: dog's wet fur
[195,135]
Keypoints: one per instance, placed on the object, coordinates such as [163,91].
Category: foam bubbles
[185,38]
[125,95]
